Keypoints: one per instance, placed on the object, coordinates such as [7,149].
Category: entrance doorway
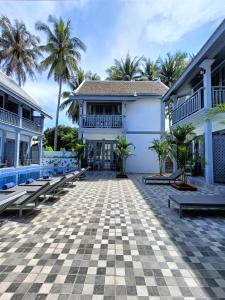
[101,155]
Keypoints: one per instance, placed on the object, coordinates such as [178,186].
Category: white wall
[144,115]
[102,135]
[143,160]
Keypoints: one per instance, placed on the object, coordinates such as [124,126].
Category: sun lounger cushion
[8,185]
[29,180]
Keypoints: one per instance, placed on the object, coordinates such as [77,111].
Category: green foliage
[73,105]
[18,50]
[123,151]
[48,148]
[219,109]
[127,69]
[79,148]
[161,148]
[172,66]
[149,70]
[180,140]
[67,137]
[62,55]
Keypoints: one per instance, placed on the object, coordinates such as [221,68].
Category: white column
[124,115]
[20,113]
[206,66]
[80,119]
[174,106]
[17,149]
[40,150]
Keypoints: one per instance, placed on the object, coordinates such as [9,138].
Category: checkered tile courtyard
[113,239]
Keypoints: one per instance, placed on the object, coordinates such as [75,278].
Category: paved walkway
[113,239]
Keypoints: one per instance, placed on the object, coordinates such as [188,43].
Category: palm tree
[73,106]
[162,150]
[74,82]
[180,140]
[18,50]
[63,55]
[123,150]
[150,70]
[172,67]
[127,69]
[92,76]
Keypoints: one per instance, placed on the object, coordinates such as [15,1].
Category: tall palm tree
[18,50]
[161,148]
[127,69]
[63,55]
[172,67]
[74,82]
[149,70]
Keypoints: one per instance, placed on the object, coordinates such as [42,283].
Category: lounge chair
[7,200]
[162,179]
[197,202]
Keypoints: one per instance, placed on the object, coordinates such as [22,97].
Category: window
[11,106]
[26,113]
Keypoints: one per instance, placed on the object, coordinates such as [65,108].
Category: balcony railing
[28,124]
[102,121]
[13,119]
[218,95]
[9,117]
[190,106]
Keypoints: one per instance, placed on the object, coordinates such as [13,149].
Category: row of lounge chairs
[26,196]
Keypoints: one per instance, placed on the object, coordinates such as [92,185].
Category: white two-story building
[201,87]
[109,109]
[21,120]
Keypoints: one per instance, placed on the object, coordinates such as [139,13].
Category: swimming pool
[20,175]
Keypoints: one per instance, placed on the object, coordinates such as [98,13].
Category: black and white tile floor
[113,239]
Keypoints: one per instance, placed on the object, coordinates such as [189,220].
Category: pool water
[20,175]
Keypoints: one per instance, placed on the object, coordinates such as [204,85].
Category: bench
[197,202]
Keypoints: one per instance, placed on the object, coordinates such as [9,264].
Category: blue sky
[112,28]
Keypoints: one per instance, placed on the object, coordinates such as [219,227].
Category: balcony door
[101,155]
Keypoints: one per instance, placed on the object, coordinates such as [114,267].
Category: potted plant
[123,151]
[162,150]
[180,141]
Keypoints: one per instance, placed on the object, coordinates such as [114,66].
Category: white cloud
[159,22]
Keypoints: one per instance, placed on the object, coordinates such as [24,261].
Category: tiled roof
[13,87]
[114,88]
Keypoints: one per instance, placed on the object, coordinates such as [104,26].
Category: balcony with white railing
[102,121]
[193,104]
[218,95]
[30,125]
[10,118]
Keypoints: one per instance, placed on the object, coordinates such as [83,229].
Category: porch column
[206,66]
[20,113]
[17,149]
[124,114]
[174,106]
[3,146]
[80,119]
[40,149]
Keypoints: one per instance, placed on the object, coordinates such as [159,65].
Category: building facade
[201,87]
[21,122]
[109,109]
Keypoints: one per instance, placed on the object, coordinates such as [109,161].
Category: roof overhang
[23,100]
[212,46]
[115,98]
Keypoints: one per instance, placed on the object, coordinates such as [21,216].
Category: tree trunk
[57,115]
[160,168]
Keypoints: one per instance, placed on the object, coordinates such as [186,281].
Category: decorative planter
[184,187]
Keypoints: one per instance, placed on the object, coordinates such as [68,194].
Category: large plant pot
[184,187]
[121,176]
